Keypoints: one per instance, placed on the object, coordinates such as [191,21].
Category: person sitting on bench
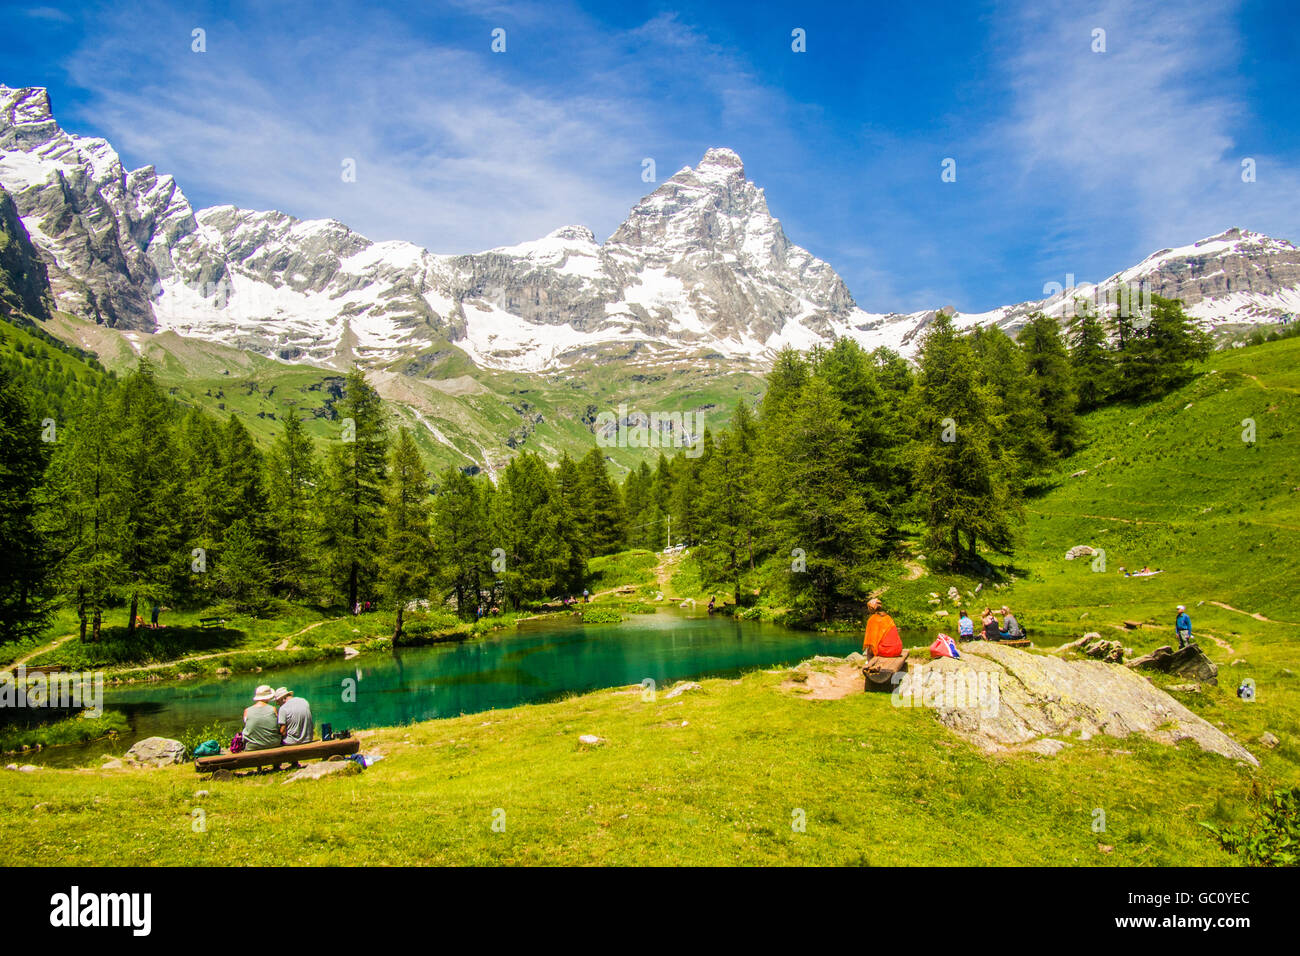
[261,725]
[989,630]
[881,638]
[296,724]
[1011,629]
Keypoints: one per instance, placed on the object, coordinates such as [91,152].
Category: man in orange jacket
[881,639]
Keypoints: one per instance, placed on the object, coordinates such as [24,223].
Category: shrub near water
[73,730]
[219,731]
[600,615]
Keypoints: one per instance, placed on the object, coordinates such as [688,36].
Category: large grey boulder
[155,752]
[1002,698]
[1189,661]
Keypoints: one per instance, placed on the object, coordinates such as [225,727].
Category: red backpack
[943,646]
[237,743]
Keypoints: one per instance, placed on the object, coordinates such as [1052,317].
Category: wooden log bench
[275,755]
[211,622]
[879,671]
[1014,642]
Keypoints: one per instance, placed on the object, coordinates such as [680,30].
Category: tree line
[139,500]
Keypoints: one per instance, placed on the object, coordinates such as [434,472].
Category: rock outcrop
[1189,661]
[1002,699]
[155,752]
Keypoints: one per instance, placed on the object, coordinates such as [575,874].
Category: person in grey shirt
[1011,629]
[296,725]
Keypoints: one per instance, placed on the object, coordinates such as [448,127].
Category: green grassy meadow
[728,773]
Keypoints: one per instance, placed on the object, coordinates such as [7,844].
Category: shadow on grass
[145,646]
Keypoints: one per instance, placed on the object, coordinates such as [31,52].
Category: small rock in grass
[1046,747]
[27,768]
[591,740]
[1268,740]
[200,793]
[113,764]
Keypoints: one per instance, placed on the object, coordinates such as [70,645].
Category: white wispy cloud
[1142,139]
[455,149]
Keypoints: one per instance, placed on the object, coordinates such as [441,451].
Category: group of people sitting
[883,640]
[991,629]
[276,718]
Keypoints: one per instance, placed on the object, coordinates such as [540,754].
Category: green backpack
[209,748]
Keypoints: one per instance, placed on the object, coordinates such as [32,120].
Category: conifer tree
[239,571]
[82,517]
[26,566]
[820,525]
[352,499]
[1091,359]
[292,476]
[1047,363]
[461,549]
[147,492]
[1018,440]
[405,572]
[964,489]
[601,514]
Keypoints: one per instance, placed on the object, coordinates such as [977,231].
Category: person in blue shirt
[965,628]
[1183,625]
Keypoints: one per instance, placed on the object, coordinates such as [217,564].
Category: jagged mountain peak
[699,264]
[26,104]
[574,233]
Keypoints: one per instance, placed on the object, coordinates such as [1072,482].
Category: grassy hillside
[459,414]
[715,776]
[720,774]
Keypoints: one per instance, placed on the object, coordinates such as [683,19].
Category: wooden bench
[1014,642]
[275,755]
[879,671]
[210,622]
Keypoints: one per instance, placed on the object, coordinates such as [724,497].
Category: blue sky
[1069,161]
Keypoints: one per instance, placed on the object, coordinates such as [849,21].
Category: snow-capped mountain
[699,265]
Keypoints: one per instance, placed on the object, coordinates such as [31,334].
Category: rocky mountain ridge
[699,266]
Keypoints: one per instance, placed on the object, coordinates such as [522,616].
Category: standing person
[989,623]
[296,724]
[881,638]
[965,627]
[153,616]
[586,596]
[1011,629]
[1183,627]
[711,600]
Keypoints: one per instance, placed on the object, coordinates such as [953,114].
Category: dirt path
[36,653]
[1257,616]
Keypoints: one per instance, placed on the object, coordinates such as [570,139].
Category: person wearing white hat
[261,727]
[296,724]
[1183,627]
